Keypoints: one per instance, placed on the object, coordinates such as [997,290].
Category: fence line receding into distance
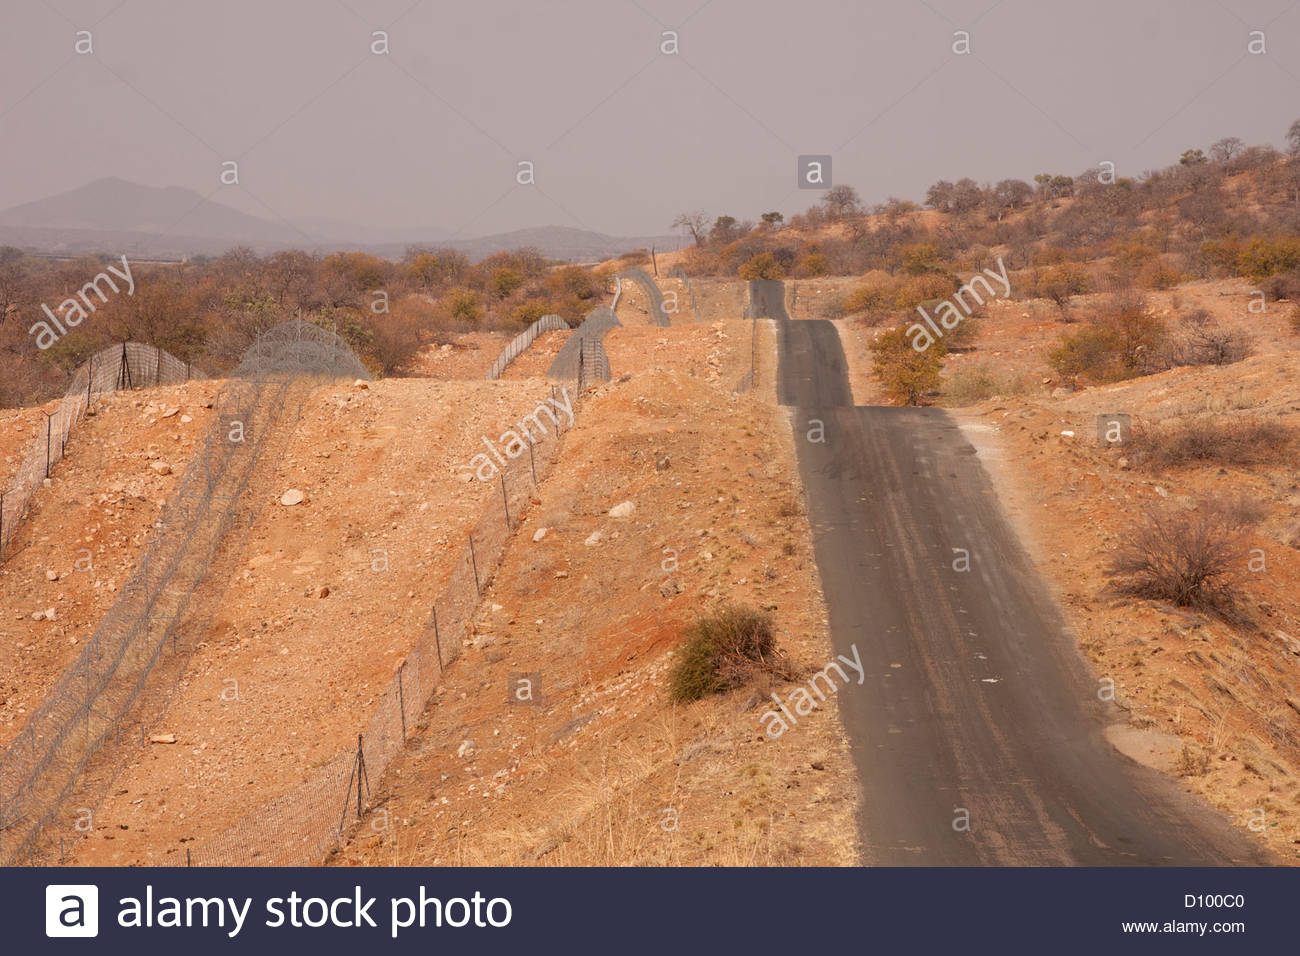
[50,759]
[118,367]
[520,343]
[301,826]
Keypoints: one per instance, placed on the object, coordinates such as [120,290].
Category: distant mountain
[115,216]
[117,206]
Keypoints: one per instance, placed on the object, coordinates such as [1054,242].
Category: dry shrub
[1189,558]
[1123,340]
[907,375]
[1203,341]
[1239,440]
[724,651]
[968,386]
[1192,762]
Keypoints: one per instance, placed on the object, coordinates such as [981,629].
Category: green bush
[722,651]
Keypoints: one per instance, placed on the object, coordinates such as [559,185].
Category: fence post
[532,463]
[2,524]
[361,774]
[473,560]
[90,378]
[401,696]
[48,429]
[505,501]
[437,641]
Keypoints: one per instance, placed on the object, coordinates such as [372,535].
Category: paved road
[974,696]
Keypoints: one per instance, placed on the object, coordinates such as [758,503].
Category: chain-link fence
[519,344]
[152,623]
[658,311]
[302,826]
[593,328]
[118,367]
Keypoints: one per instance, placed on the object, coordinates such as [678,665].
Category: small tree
[1293,139]
[1226,149]
[725,229]
[1062,282]
[841,201]
[908,375]
[694,223]
[761,266]
[772,219]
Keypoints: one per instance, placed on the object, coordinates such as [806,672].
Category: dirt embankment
[331,596]
[82,536]
[584,617]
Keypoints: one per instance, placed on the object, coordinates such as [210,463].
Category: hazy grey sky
[622,136]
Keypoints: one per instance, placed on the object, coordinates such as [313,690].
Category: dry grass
[1239,440]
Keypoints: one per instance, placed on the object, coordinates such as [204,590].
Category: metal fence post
[474,561]
[48,428]
[401,696]
[505,501]
[437,641]
[2,524]
[532,463]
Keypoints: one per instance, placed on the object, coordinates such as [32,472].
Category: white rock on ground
[623,510]
[291,497]
[539,534]
[593,539]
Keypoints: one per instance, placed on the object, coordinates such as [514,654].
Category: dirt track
[977,731]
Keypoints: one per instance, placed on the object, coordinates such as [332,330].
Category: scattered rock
[539,534]
[186,419]
[623,510]
[291,497]
[593,539]
[162,739]
[323,593]
[361,384]
[51,575]
[466,747]
[170,413]
[662,464]
[1123,464]
[160,468]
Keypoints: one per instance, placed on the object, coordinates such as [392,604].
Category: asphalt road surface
[977,731]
